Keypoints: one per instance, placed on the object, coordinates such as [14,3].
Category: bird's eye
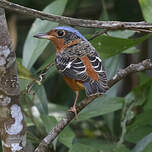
[61,33]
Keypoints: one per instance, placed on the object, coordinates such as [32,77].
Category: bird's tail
[94,88]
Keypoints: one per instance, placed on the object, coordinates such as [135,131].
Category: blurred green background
[119,122]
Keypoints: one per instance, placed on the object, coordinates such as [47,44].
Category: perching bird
[78,61]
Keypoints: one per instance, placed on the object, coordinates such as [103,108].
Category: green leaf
[142,119]
[101,106]
[148,148]
[52,69]
[49,122]
[124,34]
[34,47]
[142,144]
[40,99]
[131,50]
[32,137]
[144,79]
[80,147]
[135,135]
[141,125]
[104,14]
[51,72]
[120,148]
[130,97]
[121,33]
[112,65]
[23,73]
[109,46]
[23,83]
[58,111]
[48,61]
[146,6]
[148,105]
[66,137]
[96,146]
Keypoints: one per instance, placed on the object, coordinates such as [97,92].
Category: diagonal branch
[144,65]
[110,25]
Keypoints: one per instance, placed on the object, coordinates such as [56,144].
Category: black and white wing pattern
[76,69]
[72,68]
[97,65]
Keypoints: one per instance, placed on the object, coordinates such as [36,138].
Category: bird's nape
[72,30]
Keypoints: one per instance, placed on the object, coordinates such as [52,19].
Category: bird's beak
[43,36]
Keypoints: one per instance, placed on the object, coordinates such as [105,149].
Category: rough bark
[12,127]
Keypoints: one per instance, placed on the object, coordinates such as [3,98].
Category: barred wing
[96,63]
[79,70]
[72,68]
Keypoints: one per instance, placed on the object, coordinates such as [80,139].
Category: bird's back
[81,62]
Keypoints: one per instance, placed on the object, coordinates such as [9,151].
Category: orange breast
[89,69]
[74,84]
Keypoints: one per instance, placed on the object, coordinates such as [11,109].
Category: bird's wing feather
[96,63]
[77,69]
[72,68]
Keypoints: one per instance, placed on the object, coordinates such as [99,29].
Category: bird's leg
[73,108]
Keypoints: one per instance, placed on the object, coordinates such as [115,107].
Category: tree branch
[144,65]
[110,25]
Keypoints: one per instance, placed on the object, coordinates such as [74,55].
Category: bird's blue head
[62,36]
[72,31]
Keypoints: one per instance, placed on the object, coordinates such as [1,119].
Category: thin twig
[144,65]
[30,86]
[111,25]
[41,76]
[44,71]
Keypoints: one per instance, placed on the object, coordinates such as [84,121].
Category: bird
[78,61]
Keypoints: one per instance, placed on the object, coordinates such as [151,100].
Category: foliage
[110,123]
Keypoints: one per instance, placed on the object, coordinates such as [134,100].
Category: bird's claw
[74,110]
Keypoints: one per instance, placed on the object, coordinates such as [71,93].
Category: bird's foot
[74,110]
